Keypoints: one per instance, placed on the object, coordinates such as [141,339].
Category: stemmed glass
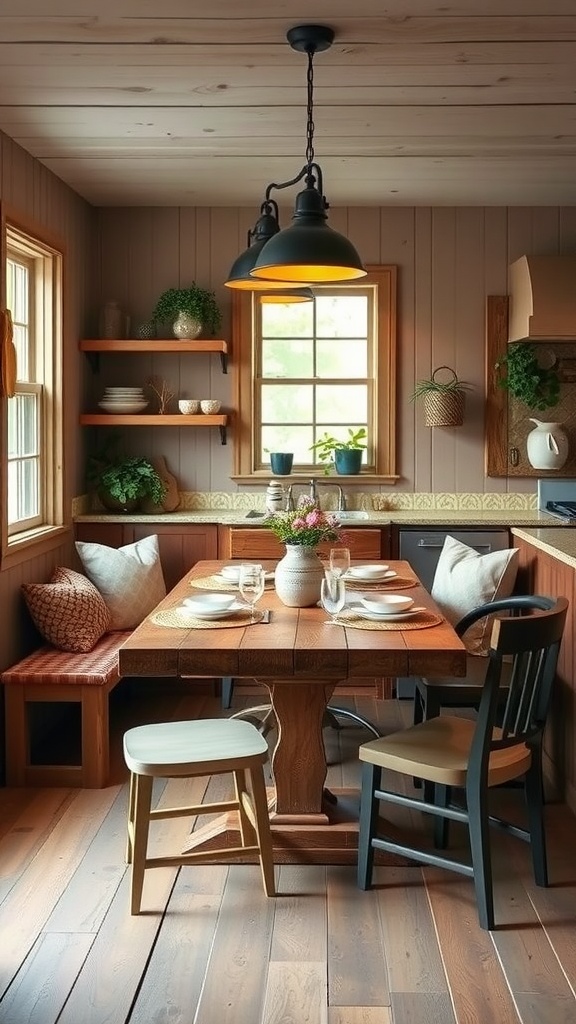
[339,561]
[332,595]
[251,585]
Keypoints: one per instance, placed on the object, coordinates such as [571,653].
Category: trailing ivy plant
[535,385]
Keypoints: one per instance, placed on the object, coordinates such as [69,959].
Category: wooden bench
[49,675]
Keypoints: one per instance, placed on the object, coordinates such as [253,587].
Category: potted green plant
[345,456]
[123,483]
[443,400]
[190,311]
[537,385]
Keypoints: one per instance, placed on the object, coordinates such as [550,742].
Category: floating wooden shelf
[194,347]
[142,420]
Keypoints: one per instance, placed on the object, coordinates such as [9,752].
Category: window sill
[262,476]
[33,543]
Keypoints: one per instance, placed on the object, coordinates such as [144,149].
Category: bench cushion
[98,667]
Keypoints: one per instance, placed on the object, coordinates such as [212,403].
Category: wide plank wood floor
[210,948]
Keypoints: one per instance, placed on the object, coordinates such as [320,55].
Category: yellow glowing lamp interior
[307,274]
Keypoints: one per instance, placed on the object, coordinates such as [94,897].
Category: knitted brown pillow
[69,612]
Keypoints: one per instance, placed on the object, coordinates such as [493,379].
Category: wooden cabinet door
[260,542]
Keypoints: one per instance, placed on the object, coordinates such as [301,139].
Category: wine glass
[332,595]
[251,584]
[339,561]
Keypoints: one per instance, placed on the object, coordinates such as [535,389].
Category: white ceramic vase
[186,326]
[547,445]
[298,577]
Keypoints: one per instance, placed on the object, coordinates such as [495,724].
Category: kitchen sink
[351,517]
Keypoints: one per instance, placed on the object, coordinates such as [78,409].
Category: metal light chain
[310,110]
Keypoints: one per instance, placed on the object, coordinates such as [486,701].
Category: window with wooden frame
[306,369]
[33,435]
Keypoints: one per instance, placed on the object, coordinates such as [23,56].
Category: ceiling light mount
[310,38]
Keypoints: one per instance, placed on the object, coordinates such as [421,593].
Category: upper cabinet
[94,347]
[542,304]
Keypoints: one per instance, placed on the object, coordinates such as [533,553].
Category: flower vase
[547,445]
[298,577]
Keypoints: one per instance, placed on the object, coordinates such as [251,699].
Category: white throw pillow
[464,579]
[130,578]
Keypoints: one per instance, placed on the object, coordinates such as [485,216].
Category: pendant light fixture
[309,251]
[284,295]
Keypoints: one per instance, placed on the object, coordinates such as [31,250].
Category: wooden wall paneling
[421,477]
[140,297]
[222,224]
[443,343]
[567,229]
[496,421]
[397,247]
[181,546]
[520,237]
[469,302]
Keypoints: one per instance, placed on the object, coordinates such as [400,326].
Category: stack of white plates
[123,400]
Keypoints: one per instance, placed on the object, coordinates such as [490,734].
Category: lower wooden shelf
[95,419]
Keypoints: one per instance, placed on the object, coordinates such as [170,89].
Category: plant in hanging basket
[525,378]
[443,400]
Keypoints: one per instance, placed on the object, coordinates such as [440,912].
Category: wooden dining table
[300,658]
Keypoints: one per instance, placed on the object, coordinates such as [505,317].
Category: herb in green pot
[327,446]
[535,385]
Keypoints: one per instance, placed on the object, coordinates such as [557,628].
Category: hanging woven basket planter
[444,401]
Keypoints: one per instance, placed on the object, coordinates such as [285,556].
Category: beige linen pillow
[130,578]
[464,579]
[68,611]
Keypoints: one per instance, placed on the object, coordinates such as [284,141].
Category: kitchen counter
[560,544]
[412,517]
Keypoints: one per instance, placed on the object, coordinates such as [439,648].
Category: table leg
[299,760]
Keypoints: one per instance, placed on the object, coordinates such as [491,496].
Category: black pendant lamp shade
[309,251]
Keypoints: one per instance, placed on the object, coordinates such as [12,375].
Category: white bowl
[189,406]
[387,604]
[210,406]
[210,602]
[368,572]
[231,572]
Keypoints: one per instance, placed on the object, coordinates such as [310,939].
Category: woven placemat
[423,620]
[216,582]
[394,583]
[179,620]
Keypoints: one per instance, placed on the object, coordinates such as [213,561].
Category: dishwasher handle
[422,543]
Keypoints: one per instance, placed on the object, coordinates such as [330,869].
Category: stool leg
[247,830]
[131,805]
[262,820]
[142,803]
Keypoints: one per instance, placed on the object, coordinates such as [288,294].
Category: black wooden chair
[473,756]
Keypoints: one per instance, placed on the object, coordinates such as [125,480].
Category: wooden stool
[184,750]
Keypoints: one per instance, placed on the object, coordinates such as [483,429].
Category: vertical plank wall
[35,195]
[449,260]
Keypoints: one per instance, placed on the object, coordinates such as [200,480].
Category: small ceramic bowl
[387,604]
[368,572]
[210,406]
[189,406]
[210,602]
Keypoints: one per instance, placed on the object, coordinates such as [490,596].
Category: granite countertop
[561,544]
[412,517]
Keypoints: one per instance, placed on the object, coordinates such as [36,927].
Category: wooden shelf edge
[154,345]
[141,420]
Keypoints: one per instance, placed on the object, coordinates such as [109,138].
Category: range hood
[542,299]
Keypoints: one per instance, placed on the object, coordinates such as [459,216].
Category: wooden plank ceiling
[136,102]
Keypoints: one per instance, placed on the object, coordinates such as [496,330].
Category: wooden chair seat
[188,749]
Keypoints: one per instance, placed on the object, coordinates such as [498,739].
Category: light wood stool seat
[185,750]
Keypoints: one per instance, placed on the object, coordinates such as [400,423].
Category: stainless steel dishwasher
[422,549]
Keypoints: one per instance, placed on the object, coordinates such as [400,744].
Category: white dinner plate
[363,612]
[211,615]
[388,574]
[228,579]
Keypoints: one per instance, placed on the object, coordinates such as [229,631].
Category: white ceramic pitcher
[547,445]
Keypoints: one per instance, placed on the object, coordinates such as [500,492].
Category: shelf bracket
[222,434]
[224,362]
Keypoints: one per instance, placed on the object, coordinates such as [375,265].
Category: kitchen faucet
[313,495]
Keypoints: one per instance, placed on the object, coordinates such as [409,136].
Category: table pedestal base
[335,842]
